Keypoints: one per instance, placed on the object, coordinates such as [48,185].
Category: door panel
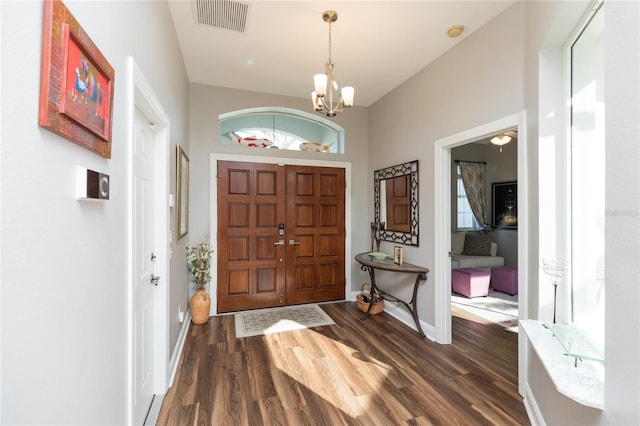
[251,204]
[259,268]
[143,303]
[315,234]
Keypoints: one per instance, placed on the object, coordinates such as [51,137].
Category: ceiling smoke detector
[455,31]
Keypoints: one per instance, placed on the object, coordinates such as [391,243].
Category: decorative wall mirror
[395,191]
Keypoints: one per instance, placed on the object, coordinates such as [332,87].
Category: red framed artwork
[77,82]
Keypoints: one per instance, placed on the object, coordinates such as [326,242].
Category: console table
[370,264]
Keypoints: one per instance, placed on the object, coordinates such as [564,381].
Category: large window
[571,195]
[281,128]
[587,178]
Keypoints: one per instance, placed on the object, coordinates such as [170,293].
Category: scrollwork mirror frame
[410,168]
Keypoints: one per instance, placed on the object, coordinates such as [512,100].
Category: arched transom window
[280,128]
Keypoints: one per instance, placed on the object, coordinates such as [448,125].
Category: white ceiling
[377,45]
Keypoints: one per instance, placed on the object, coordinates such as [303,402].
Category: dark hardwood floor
[376,372]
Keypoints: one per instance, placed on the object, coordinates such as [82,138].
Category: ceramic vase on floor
[199,263]
[200,304]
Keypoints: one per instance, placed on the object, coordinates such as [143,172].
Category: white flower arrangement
[199,262]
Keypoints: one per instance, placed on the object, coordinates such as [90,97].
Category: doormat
[278,320]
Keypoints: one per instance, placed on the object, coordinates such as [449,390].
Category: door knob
[279,243]
[294,243]
[155,279]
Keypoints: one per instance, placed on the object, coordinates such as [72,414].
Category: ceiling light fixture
[501,140]
[328,97]
[455,31]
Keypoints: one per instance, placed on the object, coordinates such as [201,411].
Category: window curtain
[473,181]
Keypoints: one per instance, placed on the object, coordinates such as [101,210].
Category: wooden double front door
[281,235]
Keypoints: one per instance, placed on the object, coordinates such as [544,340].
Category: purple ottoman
[505,279]
[470,282]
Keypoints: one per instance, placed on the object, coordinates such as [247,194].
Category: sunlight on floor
[328,376]
[482,316]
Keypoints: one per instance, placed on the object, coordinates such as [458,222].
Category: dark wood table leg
[370,265]
[414,304]
[372,275]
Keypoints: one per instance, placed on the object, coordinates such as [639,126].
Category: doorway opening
[443,225]
[484,231]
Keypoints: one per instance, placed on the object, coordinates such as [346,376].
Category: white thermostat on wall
[91,185]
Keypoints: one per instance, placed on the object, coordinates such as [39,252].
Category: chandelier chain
[330,62]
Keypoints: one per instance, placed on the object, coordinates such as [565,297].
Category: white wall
[64,305]
[622,235]
[207,102]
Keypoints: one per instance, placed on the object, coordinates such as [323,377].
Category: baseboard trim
[154,411]
[400,313]
[533,411]
[174,362]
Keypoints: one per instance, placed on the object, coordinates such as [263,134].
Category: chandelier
[328,97]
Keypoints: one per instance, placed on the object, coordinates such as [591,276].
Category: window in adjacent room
[465,218]
[281,128]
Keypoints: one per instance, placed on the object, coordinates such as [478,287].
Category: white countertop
[584,382]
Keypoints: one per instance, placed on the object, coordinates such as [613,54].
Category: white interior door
[143,264]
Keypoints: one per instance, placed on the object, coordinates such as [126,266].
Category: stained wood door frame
[213,206]
[442,228]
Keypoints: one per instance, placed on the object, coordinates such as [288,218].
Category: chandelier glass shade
[501,140]
[328,97]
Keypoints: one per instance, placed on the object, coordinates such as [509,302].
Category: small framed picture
[397,255]
[182,185]
[505,206]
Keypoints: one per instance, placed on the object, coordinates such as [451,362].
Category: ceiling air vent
[226,14]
